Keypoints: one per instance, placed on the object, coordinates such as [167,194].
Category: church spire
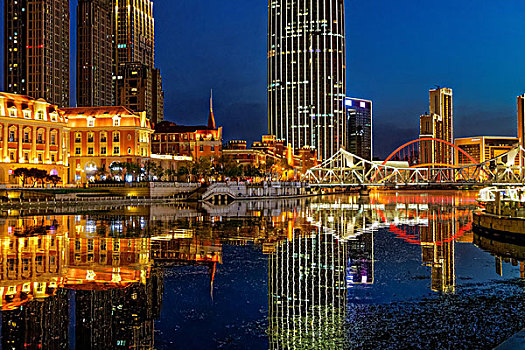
[211,118]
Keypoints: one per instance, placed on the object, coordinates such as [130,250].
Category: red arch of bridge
[429,139]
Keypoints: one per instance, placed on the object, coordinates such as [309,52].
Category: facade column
[20,146]
[5,141]
[47,140]
[61,142]
[33,144]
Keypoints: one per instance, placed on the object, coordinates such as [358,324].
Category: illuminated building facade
[359,127]
[139,88]
[36,49]
[483,148]
[94,53]
[306,74]
[33,134]
[101,136]
[134,32]
[438,124]
[521,118]
[188,141]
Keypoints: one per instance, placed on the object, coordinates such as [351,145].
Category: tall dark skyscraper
[94,53]
[359,127]
[137,83]
[306,73]
[36,49]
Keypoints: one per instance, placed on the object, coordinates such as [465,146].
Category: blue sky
[396,51]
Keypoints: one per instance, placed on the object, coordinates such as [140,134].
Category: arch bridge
[345,169]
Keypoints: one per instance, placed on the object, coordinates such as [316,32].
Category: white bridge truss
[347,169]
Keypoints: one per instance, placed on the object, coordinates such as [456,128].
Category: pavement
[516,342]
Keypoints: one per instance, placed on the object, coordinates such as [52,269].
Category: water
[400,270]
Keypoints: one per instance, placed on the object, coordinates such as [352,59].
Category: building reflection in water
[110,265]
[505,252]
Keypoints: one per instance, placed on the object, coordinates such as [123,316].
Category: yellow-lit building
[437,124]
[482,148]
[101,136]
[33,134]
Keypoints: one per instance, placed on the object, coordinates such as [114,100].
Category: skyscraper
[137,83]
[134,29]
[359,127]
[521,118]
[94,53]
[306,73]
[36,49]
[139,88]
[437,124]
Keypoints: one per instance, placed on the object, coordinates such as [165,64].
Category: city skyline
[381,63]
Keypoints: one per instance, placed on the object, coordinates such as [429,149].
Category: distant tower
[306,74]
[94,53]
[211,118]
[359,127]
[521,118]
[438,124]
[36,49]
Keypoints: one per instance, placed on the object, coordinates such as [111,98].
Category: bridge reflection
[109,267]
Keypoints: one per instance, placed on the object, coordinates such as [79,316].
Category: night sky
[396,51]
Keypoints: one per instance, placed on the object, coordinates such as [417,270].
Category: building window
[116,150]
[201,148]
[52,157]
[53,138]
[91,137]
[12,156]
[129,150]
[77,151]
[91,122]
[103,150]
[39,115]
[116,121]
[90,151]
[103,137]
[40,137]
[27,138]
[116,136]
[12,134]
[27,114]
[12,112]
[40,157]
[78,137]
[212,148]
[54,117]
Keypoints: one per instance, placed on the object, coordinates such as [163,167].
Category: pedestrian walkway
[516,342]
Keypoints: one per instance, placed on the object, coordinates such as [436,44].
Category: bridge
[345,169]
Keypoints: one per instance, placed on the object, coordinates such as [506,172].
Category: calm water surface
[397,270]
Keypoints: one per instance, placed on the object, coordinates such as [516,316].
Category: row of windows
[103,150]
[40,115]
[103,137]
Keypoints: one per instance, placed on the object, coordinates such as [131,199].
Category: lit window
[27,114]
[103,137]
[116,150]
[53,138]
[12,112]
[78,137]
[91,137]
[90,151]
[40,115]
[103,150]
[116,136]
[77,151]
[129,150]
[91,122]
[116,121]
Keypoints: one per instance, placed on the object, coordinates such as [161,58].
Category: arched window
[53,138]
[103,136]
[78,137]
[116,136]
[27,135]
[13,133]
[40,136]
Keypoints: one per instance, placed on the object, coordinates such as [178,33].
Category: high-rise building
[437,124]
[36,49]
[306,74]
[94,53]
[521,118]
[359,127]
[139,88]
[134,32]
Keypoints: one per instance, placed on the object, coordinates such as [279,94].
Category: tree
[37,175]
[22,174]
[150,168]
[54,179]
